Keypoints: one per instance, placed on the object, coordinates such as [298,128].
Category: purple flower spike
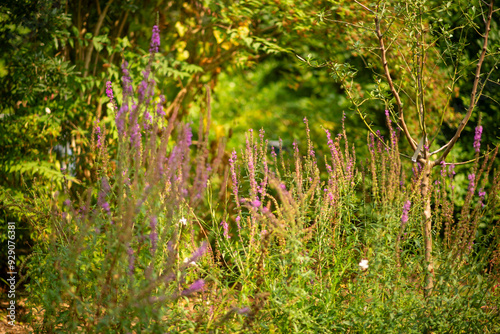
[199,252]
[98,132]
[225,226]
[196,286]
[471,178]
[127,81]
[256,203]
[477,138]
[155,40]
[109,91]
[406,209]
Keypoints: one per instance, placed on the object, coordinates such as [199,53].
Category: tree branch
[472,104]
[88,56]
[410,140]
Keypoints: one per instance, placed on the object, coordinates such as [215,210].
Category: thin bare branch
[350,24]
[368,9]
[410,140]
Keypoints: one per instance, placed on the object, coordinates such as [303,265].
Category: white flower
[183,221]
[192,263]
[47,110]
[364,264]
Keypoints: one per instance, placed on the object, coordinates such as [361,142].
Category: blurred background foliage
[57,55]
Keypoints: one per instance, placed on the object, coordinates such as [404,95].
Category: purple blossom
[98,132]
[406,210]
[109,91]
[155,40]
[135,136]
[238,218]
[451,170]
[105,206]
[127,81]
[147,120]
[471,178]
[142,89]
[477,138]
[120,119]
[196,286]
[256,203]
[225,226]
[67,202]
[159,106]
[199,252]
[105,185]
[371,142]
[482,194]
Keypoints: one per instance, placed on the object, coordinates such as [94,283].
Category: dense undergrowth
[280,241]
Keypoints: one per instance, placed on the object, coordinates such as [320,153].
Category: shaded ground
[21,326]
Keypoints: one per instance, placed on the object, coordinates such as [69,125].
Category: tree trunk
[427,226]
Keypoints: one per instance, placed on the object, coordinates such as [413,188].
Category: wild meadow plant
[307,251]
[121,257]
[303,242]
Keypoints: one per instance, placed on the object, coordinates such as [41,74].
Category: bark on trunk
[427,220]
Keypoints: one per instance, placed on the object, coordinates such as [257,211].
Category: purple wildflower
[451,170]
[127,81]
[471,178]
[143,87]
[199,252]
[109,91]
[135,136]
[406,210]
[155,40]
[482,194]
[120,120]
[225,226]
[147,120]
[98,132]
[67,202]
[105,206]
[159,106]
[238,218]
[196,286]
[256,203]
[105,185]
[477,138]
